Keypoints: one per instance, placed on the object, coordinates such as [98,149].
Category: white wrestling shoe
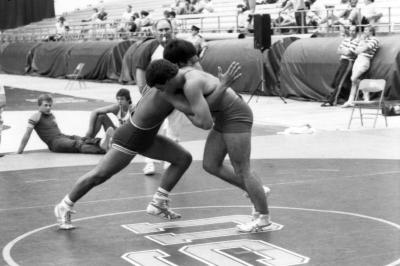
[257,225]
[159,207]
[63,215]
[149,169]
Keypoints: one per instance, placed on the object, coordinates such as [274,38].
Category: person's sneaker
[160,207]
[260,224]
[63,215]
[105,144]
[149,169]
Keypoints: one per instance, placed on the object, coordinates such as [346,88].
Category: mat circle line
[10,261]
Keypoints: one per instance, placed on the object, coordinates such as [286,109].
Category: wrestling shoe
[63,215]
[149,169]
[257,225]
[160,207]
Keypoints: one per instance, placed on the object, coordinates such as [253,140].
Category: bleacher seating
[222,20]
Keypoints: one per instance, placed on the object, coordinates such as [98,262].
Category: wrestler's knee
[185,159]
[210,166]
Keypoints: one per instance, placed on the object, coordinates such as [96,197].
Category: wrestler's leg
[239,146]
[113,162]
[213,160]
[167,150]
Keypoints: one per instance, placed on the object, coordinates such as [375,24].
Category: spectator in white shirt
[126,19]
[370,14]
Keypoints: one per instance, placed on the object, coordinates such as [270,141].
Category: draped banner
[102,60]
[254,64]
[15,13]
[309,65]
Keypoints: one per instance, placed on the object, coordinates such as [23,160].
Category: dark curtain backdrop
[15,13]
[309,65]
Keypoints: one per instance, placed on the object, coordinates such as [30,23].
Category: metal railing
[216,22]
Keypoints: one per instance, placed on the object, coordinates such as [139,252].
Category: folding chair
[76,76]
[369,86]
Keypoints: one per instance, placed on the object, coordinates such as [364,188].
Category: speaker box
[262,31]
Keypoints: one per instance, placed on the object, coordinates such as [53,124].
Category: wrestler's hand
[230,75]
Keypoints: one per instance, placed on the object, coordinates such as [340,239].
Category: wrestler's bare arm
[193,91]
[181,103]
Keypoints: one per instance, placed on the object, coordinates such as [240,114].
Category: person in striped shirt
[366,50]
[347,51]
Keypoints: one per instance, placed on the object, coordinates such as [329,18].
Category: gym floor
[335,195]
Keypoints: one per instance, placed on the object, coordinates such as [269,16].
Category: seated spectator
[182,7]
[132,25]
[319,9]
[204,7]
[126,19]
[347,51]
[145,19]
[354,16]
[45,125]
[62,28]
[197,40]
[366,51]
[193,7]
[341,12]
[370,14]
[299,9]
[285,20]
[102,15]
[93,17]
[122,110]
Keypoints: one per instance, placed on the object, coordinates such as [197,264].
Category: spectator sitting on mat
[45,125]
[122,110]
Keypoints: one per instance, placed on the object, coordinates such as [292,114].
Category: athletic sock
[161,194]
[67,202]
[265,218]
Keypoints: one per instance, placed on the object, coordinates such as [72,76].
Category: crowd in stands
[324,14]
[182,7]
[288,16]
